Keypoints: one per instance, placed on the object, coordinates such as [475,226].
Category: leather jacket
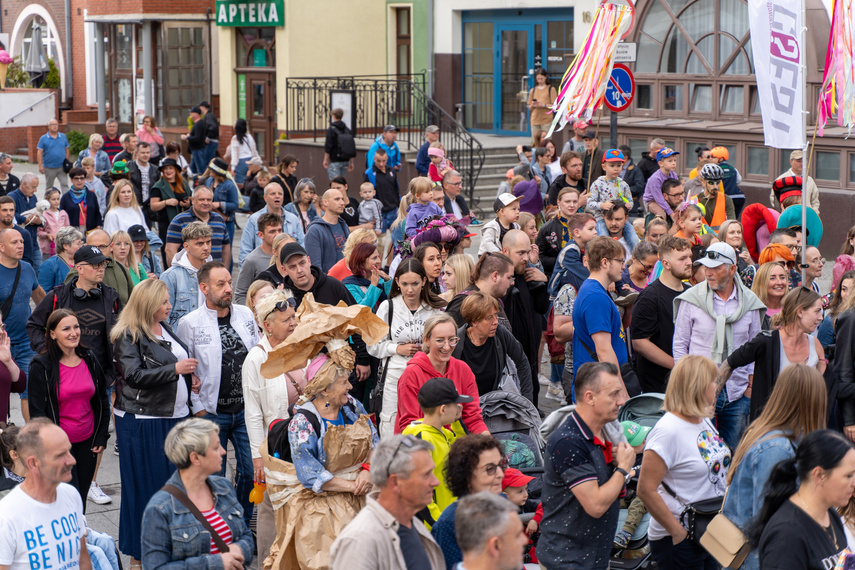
[147,381]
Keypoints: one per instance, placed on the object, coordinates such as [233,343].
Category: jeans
[337,169]
[54,174]
[683,556]
[233,428]
[731,418]
[230,229]
[241,169]
[22,354]
[628,233]
[389,219]
[211,151]
[197,161]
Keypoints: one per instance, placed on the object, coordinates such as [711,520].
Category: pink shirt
[76,389]
[53,221]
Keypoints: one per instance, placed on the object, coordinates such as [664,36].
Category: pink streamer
[837,94]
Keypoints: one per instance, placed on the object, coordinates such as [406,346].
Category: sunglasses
[716,255]
[490,468]
[407,441]
[283,306]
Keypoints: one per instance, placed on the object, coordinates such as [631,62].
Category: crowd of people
[357,364]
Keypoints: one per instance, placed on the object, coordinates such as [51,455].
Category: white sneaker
[543,380]
[97,496]
[554,392]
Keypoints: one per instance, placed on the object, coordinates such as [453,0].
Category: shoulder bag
[375,399]
[725,541]
[185,500]
[696,517]
[6,306]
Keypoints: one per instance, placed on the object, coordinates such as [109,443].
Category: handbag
[696,517]
[67,165]
[725,542]
[375,399]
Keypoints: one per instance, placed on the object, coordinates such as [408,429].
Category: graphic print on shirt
[716,455]
[234,352]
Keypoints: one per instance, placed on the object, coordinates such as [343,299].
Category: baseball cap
[796,155]
[289,250]
[635,433]
[509,173]
[440,391]
[505,199]
[589,135]
[469,235]
[613,155]
[196,110]
[431,129]
[89,254]
[389,128]
[665,152]
[515,478]
[580,125]
[718,254]
[137,233]
[205,104]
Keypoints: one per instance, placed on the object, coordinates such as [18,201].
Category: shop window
[637,146]
[785,160]
[672,97]
[644,96]
[478,75]
[690,156]
[256,47]
[559,48]
[186,72]
[758,161]
[755,101]
[701,98]
[827,165]
[732,99]
[852,169]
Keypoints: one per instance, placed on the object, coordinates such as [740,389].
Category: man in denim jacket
[180,279]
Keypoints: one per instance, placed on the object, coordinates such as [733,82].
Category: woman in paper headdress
[330,435]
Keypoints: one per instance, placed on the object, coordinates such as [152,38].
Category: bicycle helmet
[711,172]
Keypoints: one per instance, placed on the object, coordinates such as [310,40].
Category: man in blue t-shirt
[598,333]
[17,312]
[53,150]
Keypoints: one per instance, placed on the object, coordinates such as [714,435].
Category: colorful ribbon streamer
[838,85]
[584,83]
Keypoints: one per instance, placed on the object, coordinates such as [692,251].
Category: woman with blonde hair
[258,289]
[796,407]
[456,274]
[685,461]
[152,395]
[125,255]
[770,285]
[123,210]
[730,232]
[93,149]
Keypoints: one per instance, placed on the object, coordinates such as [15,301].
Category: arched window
[695,37]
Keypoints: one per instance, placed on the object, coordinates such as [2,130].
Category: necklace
[832,535]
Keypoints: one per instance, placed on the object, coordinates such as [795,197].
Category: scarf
[365,284]
[701,296]
[565,231]
[78,195]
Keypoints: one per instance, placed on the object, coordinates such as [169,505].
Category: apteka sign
[247,13]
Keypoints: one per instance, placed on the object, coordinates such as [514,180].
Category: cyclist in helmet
[718,206]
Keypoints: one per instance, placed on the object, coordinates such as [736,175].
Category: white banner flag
[776,39]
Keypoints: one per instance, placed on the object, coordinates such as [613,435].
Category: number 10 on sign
[620,89]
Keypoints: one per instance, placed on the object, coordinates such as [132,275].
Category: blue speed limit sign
[620,89]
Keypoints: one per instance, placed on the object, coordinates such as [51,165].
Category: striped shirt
[216,521]
[220,237]
[112,146]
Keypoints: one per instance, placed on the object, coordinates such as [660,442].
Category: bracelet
[366,467]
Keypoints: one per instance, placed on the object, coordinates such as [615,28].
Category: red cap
[515,478]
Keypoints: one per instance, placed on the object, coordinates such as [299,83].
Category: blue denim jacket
[172,536]
[746,492]
[307,447]
[227,193]
[183,291]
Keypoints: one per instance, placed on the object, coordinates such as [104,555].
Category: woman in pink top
[67,386]
[149,133]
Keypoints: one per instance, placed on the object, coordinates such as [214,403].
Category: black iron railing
[380,101]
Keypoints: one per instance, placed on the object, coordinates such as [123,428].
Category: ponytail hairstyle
[8,443]
[822,448]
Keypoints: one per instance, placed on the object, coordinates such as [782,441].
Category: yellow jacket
[441,439]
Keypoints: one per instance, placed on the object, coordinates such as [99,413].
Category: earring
[327,405]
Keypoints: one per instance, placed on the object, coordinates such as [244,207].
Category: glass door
[514,59]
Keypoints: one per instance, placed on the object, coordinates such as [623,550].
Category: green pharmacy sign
[246,13]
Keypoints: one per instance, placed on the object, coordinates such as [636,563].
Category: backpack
[278,444]
[346,144]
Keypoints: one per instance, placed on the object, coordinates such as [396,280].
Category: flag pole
[805,173]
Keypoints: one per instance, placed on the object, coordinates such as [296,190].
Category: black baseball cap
[440,391]
[289,250]
[137,233]
[89,254]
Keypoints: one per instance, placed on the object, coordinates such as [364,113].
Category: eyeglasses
[451,341]
[78,178]
[407,441]
[101,265]
[283,306]
[796,249]
[647,268]
[446,246]
[820,261]
[620,260]
[675,194]
[490,468]
[455,183]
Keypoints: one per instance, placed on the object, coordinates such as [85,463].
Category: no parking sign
[620,89]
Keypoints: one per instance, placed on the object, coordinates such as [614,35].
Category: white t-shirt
[697,460]
[38,536]
[626,247]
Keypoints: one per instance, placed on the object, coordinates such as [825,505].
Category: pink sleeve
[157,136]
[842,264]
[408,404]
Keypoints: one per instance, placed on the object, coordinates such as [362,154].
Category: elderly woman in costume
[330,436]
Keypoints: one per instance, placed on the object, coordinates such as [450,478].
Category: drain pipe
[69,81]
[429,47]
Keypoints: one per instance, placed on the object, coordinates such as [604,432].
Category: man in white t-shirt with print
[41,520]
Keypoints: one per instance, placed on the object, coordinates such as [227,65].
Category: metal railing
[380,101]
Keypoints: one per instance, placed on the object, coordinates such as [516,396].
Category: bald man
[527,300]
[326,234]
[115,274]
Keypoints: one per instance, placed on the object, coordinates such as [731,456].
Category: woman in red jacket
[440,338]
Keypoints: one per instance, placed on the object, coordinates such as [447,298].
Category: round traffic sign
[620,89]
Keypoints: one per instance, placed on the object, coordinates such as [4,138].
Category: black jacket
[593,169]
[331,144]
[212,127]
[461,203]
[548,242]
[196,140]
[526,302]
[844,364]
[764,350]
[60,298]
[648,165]
[507,346]
[13,184]
[560,184]
[634,178]
[330,291]
[43,386]
[136,181]
[271,275]
[147,382]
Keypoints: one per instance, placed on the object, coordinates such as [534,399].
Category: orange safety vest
[720,213]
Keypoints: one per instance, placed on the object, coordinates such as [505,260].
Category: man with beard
[615,221]
[494,275]
[652,324]
[527,301]
[571,166]
[43,501]
[219,335]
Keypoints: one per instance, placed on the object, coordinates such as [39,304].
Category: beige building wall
[319,39]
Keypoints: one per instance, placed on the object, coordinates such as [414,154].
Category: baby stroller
[514,421]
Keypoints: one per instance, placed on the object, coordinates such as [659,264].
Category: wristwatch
[626,476]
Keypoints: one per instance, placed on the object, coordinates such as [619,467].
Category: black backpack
[346,144]
[278,444]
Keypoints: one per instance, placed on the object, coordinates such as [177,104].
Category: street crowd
[366,363]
